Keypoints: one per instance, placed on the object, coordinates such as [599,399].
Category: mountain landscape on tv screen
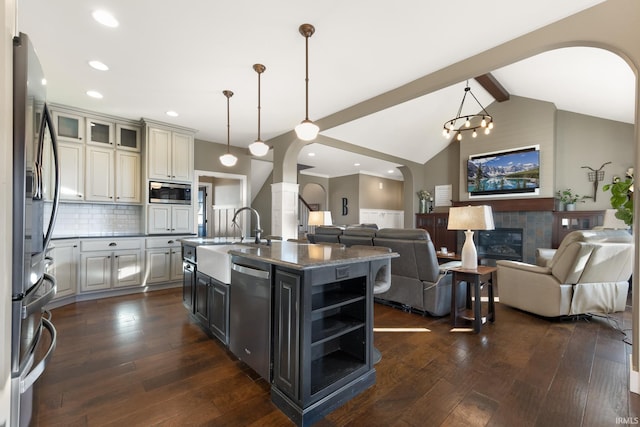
[517,172]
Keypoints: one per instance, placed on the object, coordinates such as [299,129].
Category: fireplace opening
[501,243]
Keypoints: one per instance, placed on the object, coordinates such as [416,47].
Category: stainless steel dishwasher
[250,314]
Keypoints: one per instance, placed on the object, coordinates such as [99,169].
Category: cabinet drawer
[163,242]
[331,274]
[109,244]
[189,252]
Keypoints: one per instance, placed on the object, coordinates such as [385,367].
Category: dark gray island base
[319,330]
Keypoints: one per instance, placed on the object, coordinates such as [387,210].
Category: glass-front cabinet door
[69,127]
[128,137]
[100,132]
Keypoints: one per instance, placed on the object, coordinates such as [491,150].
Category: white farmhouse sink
[215,261]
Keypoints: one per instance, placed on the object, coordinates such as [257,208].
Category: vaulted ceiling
[180,56]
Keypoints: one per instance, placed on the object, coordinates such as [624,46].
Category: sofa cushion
[403,233]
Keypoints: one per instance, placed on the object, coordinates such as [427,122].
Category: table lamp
[319,218]
[469,218]
[611,222]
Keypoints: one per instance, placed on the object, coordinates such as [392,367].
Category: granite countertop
[302,256]
[198,241]
[110,234]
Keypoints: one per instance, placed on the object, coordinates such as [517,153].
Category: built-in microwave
[169,192]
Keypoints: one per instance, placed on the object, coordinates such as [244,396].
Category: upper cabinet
[100,132]
[127,137]
[69,126]
[169,154]
[99,156]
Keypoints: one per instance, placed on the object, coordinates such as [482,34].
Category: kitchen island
[316,305]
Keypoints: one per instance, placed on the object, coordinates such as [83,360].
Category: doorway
[204,209]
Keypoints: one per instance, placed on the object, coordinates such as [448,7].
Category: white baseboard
[634,378]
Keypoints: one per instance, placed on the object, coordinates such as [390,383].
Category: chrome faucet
[258,229]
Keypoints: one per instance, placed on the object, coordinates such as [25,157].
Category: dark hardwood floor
[138,361]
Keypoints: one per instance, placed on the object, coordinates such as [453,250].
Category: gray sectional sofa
[417,281]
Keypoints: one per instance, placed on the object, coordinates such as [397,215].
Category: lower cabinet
[65,262]
[188,285]
[107,264]
[322,338]
[106,270]
[164,260]
[219,310]
[211,306]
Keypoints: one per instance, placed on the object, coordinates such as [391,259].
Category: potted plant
[568,199]
[622,197]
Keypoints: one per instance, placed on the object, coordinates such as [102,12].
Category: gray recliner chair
[417,281]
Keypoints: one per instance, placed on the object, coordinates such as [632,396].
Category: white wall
[7,13]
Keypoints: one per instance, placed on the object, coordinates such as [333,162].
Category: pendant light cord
[306,76]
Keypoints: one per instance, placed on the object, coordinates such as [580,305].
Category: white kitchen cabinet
[100,174]
[112,175]
[66,257]
[127,177]
[71,157]
[69,127]
[164,260]
[163,219]
[100,132]
[127,137]
[169,155]
[110,263]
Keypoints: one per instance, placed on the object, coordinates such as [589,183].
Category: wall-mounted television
[504,172]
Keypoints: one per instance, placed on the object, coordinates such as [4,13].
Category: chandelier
[468,122]
[307,130]
[228,159]
[259,148]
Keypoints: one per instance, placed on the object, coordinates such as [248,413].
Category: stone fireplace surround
[533,215]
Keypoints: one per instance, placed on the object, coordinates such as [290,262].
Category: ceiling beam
[493,86]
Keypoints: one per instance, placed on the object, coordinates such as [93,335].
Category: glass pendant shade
[228,160]
[307,130]
[258,148]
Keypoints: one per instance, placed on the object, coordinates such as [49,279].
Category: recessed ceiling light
[356,164]
[43,82]
[94,94]
[105,18]
[311,154]
[391,171]
[171,113]
[98,65]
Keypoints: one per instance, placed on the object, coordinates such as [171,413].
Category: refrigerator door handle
[37,305]
[48,119]
[38,369]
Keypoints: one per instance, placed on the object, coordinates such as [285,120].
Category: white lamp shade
[610,221]
[228,159]
[258,148]
[307,130]
[471,218]
[320,218]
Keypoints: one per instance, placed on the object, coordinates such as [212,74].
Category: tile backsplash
[89,219]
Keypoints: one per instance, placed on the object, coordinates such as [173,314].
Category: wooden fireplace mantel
[513,205]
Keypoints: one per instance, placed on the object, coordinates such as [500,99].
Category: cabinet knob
[113,244]
[79,195]
[168,229]
[170,242]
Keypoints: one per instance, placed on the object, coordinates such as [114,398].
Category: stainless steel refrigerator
[35,166]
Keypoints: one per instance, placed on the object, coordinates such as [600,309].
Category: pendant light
[228,159]
[259,148]
[307,130]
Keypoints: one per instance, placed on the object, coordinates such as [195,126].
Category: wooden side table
[472,312]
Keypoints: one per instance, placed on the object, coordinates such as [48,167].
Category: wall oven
[169,192]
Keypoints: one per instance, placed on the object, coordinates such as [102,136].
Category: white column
[284,210]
